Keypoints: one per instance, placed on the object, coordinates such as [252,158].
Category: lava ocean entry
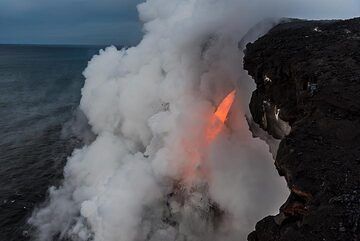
[163,166]
[196,167]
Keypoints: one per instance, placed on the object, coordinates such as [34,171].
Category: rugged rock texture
[308,74]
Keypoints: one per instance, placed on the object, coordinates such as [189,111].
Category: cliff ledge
[308,75]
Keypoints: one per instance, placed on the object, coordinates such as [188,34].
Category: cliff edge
[308,75]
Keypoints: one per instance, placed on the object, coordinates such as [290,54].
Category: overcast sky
[69,21]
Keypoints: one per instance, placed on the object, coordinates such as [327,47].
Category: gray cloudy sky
[69,21]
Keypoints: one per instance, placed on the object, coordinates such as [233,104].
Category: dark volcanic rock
[308,74]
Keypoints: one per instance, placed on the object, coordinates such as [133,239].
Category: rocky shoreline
[308,75]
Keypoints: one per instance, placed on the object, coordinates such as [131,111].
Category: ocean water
[39,94]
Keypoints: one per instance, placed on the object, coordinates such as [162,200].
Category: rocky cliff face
[308,75]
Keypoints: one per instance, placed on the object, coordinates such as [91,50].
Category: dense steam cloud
[149,105]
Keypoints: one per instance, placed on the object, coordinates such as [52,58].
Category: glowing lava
[219,118]
[195,167]
[223,109]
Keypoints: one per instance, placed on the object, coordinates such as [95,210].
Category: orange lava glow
[220,116]
[196,165]
[223,109]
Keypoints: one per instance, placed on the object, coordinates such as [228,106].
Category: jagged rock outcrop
[308,74]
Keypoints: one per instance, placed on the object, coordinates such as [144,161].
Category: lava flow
[196,166]
[220,116]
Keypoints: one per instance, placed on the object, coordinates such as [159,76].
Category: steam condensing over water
[148,106]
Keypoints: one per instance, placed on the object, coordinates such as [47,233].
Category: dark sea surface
[39,92]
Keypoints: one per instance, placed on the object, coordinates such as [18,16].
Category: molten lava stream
[195,167]
[219,118]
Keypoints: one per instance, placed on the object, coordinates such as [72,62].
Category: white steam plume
[145,102]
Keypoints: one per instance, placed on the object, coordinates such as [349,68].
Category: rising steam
[154,171]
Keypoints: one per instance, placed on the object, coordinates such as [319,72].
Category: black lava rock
[309,72]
